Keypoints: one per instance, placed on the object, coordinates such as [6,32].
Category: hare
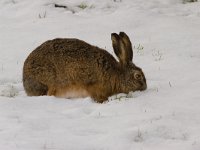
[72,68]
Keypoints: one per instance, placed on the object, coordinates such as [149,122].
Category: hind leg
[34,88]
[51,91]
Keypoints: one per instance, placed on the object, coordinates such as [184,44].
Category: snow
[166,40]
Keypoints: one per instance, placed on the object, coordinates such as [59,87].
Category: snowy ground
[166,39]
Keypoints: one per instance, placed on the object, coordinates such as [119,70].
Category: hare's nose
[144,87]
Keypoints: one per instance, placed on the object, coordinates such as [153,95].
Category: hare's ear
[115,43]
[120,48]
[128,45]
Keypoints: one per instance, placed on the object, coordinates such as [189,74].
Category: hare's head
[132,77]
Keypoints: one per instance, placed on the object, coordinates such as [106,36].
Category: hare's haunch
[73,68]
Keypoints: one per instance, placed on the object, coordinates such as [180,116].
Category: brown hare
[72,68]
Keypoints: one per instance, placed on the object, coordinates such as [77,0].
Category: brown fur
[73,68]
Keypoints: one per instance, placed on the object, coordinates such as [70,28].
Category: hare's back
[61,56]
[68,50]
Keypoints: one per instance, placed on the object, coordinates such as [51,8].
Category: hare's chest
[72,92]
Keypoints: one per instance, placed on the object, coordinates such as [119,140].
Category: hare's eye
[137,76]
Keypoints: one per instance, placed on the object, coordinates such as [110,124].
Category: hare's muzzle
[144,87]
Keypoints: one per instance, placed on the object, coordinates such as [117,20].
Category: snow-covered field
[166,39]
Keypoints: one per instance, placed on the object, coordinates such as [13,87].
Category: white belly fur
[73,92]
